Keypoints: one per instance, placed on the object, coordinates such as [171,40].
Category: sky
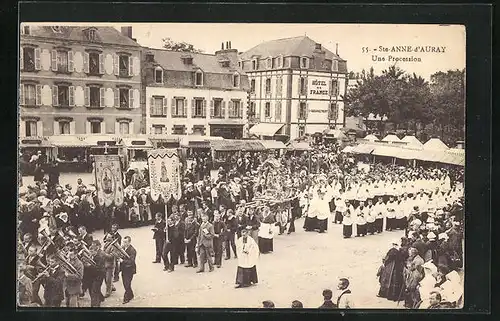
[352,40]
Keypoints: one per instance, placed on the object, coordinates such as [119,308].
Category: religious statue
[164,174]
[107,184]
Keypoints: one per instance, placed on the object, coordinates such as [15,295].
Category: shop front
[227,131]
[71,152]
[135,149]
[29,146]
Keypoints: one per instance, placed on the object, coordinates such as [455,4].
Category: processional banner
[108,178]
[164,173]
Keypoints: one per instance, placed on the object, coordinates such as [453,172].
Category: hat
[431,236]
[248,227]
[439,212]
[429,265]
[443,236]
[430,220]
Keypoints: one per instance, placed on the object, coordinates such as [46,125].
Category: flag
[108,178]
[164,173]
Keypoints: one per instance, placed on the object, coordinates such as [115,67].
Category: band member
[159,236]
[73,282]
[87,239]
[190,238]
[128,268]
[53,284]
[34,263]
[231,227]
[109,268]
[205,245]
[248,253]
[25,288]
[219,231]
[168,253]
[114,234]
[97,273]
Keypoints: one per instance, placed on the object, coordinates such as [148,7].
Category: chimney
[227,53]
[127,32]
[337,48]
[318,57]
[229,45]
[222,46]
[150,56]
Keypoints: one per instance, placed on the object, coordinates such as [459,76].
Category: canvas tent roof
[435,144]
[391,138]
[412,141]
[371,138]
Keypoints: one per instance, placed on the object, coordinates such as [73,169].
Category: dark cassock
[248,254]
[391,279]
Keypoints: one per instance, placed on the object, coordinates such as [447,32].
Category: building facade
[79,81]
[195,93]
[296,88]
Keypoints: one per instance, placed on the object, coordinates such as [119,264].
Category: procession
[174,178]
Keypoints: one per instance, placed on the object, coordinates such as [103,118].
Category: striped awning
[68,141]
[234,145]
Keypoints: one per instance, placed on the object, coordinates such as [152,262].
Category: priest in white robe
[248,255]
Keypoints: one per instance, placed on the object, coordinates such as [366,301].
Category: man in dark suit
[128,269]
[190,237]
[87,239]
[205,245]
[159,236]
[168,247]
[178,240]
[97,273]
[113,235]
[219,232]
[327,297]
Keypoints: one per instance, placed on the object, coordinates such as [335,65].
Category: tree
[170,44]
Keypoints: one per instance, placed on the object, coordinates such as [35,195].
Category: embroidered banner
[164,173]
[108,178]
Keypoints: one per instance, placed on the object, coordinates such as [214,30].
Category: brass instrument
[85,256]
[46,244]
[48,269]
[116,250]
[65,264]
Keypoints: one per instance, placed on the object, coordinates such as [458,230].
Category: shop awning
[234,145]
[363,149]
[34,141]
[335,133]
[299,146]
[387,151]
[102,140]
[273,144]
[68,141]
[137,143]
[265,129]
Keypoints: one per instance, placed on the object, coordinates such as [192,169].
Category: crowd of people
[254,197]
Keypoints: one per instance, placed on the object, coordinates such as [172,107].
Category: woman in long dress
[266,231]
[391,280]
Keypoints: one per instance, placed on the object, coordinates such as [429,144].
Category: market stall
[135,148]
[72,152]
[29,146]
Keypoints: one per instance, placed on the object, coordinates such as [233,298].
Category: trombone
[65,264]
[48,269]
[85,255]
[116,250]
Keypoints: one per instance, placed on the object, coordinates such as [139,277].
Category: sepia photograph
[241,165]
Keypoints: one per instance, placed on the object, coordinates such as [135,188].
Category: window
[198,108]
[62,61]
[26,30]
[29,59]
[179,130]
[267,110]
[94,63]
[236,80]
[124,98]
[179,108]
[303,86]
[199,130]
[124,62]
[334,90]
[30,127]
[251,110]
[199,78]
[333,111]
[158,75]
[95,127]
[29,95]
[279,62]
[124,128]
[235,109]
[95,96]
[335,65]
[269,63]
[302,110]
[302,131]
[254,64]
[277,111]
[63,95]
[218,111]
[91,35]
[304,62]
[64,128]
[240,64]
[268,85]
[158,130]
[279,85]
[252,86]
[157,108]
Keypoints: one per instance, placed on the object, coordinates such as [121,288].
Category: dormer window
[269,63]
[304,62]
[224,63]
[335,65]
[158,75]
[187,59]
[199,78]
[91,34]
[254,64]
[240,64]
[25,30]
[56,29]
[236,80]
[279,62]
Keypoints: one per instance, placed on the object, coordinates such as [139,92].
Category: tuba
[65,265]
[116,250]
[85,256]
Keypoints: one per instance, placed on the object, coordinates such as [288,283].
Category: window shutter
[22,128]
[53,59]
[117,127]
[330,85]
[193,111]
[298,110]
[231,111]
[130,66]
[116,67]
[300,91]
[37,59]
[224,114]
[151,105]
[55,96]
[72,126]
[204,111]
[185,108]
[130,128]
[212,108]
[102,102]
[117,97]
[56,128]
[103,127]
[276,109]
[240,110]
[305,86]
[130,98]
[307,110]
[39,128]
[173,107]
[21,95]
[21,58]
[101,64]
[136,98]
[86,62]
[38,95]
[86,96]
[87,127]
[71,61]
[165,107]
[71,92]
